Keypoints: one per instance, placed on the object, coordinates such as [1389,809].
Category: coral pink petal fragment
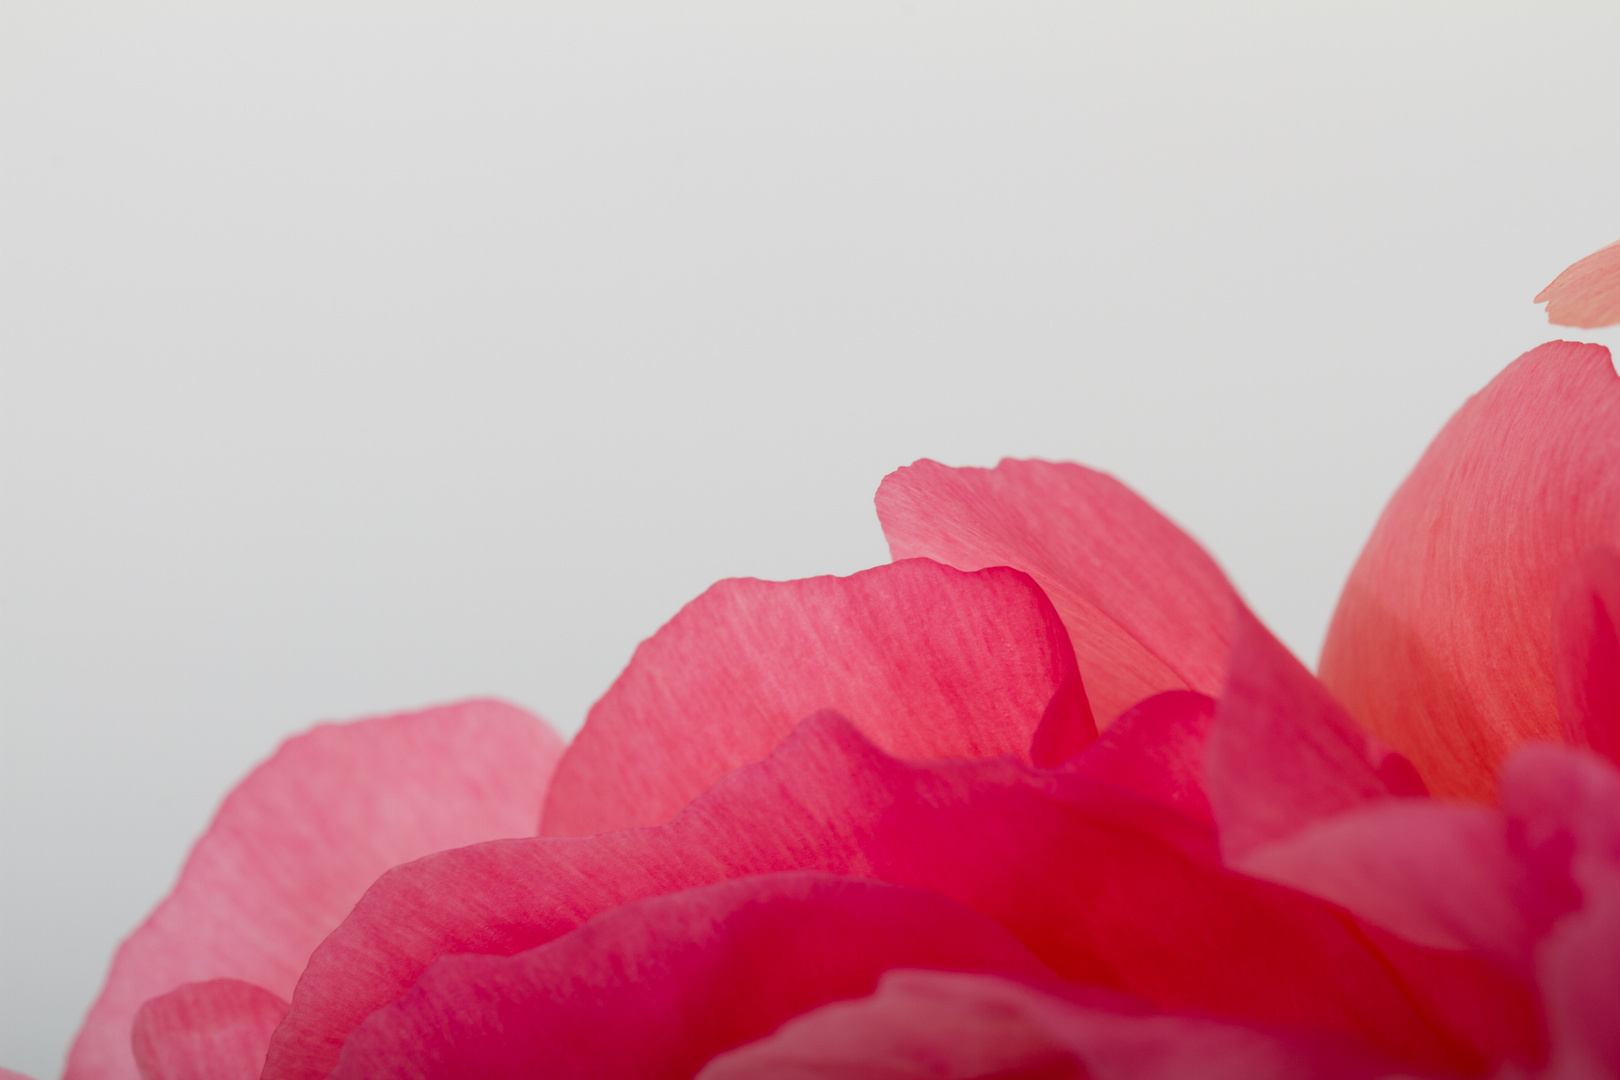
[1156,749]
[930,662]
[1099,884]
[1436,873]
[1282,753]
[1586,651]
[216,1030]
[296,843]
[931,1025]
[655,989]
[1442,641]
[1146,608]
[1587,294]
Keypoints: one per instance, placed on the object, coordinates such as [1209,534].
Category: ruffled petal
[1586,651]
[929,661]
[297,842]
[1100,885]
[1442,641]
[216,1030]
[1282,753]
[1146,608]
[1587,294]
[700,972]
[931,1025]
[1156,749]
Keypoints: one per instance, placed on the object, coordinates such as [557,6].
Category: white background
[362,357]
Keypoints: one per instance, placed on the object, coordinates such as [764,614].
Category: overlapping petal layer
[1442,642]
[656,988]
[1146,608]
[1586,651]
[928,1025]
[930,662]
[1156,749]
[297,843]
[215,1030]
[1588,293]
[1101,885]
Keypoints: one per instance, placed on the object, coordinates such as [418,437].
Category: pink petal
[929,661]
[700,972]
[1442,641]
[216,1030]
[1439,874]
[1146,608]
[1563,811]
[297,842]
[1156,749]
[949,1026]
[1282,753]
[1587,294]
[1579,966]
[7,1074]
[1586,651]
[1102,886]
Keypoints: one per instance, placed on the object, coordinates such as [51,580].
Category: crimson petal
[1156,749]
[700,972]
[1146,608]
[1102,886]
[1586,649]
[929,661]
[215,1030]
[297,842]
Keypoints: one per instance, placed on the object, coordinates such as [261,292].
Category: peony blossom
[1039,798]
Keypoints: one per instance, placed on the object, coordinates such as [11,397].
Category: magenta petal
[1586,651]
[1146,608]
[950,1026]
[297,842]
[1442,641]
[1282,753]
[1100,885]
[930,662]
[1579,966]
[694,974]
[1588,293]
[217,1030]
[1156,749]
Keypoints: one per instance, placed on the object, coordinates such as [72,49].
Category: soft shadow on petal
[1586,651]
[930,662]
[1146,608]
[216,1030]
[929,1025]
[1587,294]
[1156,749]
[1282,753]
[1099,884]
[1442,640]
[297,843]
[654,989]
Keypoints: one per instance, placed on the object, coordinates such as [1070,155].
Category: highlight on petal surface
[656,988]
[1586,651]
[216,1030]
[932,1025]
[299,840]
[1146,608]
[1587,294]
[930,662]
[1442,643]
[1099,884]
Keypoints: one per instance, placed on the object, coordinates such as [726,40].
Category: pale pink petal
[1156,749]
[1579,965]
[930,1025]
[1587,294]
[1101,885]
[1586,651]
[7,1074]
[217,1030]
[1146,608]
[654,989]
[1439,874]
[930,662]
[1282,753]
[297,842]
[1442,641]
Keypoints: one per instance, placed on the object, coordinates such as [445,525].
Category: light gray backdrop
[358,357]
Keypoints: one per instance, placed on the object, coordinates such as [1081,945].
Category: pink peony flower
[1040,798]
